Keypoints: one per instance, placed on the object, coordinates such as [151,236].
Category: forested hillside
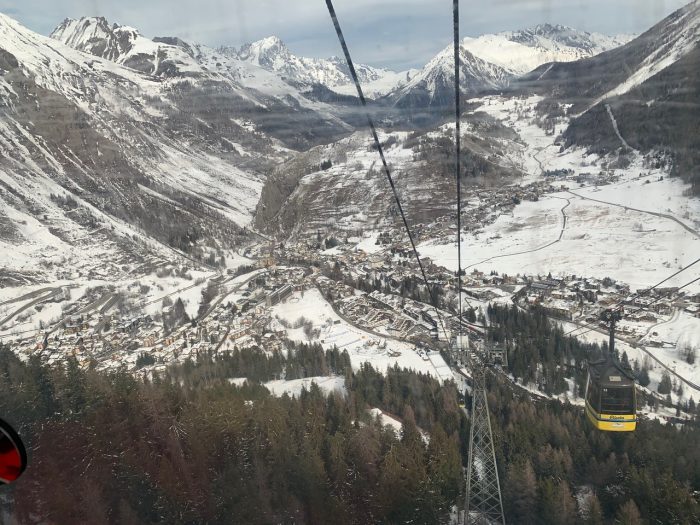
[113,449]
[189,447]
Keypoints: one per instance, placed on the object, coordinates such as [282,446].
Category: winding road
[52,293]
[30,295]
[656,214]
[558,239]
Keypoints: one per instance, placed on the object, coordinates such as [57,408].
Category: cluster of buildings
[381,313]
[583,300]
[239,317]
[584,178]
[381,291]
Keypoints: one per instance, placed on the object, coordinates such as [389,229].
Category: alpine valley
[203,243]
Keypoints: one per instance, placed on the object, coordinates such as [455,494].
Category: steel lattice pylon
[483,500]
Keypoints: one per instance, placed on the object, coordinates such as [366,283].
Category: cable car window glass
[594,395]
[617,400]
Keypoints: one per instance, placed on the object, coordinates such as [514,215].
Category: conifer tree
[628,514]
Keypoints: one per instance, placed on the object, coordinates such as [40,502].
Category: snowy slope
[523,51]
[360,345]
[646,94]
[100,170]
[679,35]
[107,94]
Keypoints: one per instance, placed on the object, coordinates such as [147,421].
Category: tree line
[188,447]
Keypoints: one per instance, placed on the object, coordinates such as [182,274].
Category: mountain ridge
[524,50]
[107,165]
[490,63]
[620,69]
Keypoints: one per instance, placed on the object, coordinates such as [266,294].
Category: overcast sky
[392,33]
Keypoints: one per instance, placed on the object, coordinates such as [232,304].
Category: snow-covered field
[293,387]
[591,243]
[598,239]
[362,346]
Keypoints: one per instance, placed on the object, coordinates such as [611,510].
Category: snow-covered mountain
[144,145]
[522,51]
[110,158]
[272,54]
[172,60]
[646,94]
[490,62]
[432,89]
[125,45]
[615,72]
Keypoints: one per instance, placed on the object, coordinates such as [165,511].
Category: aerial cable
[455,25]
[662,296]
[644,292]
[378,145]
[593,327]
[640,294]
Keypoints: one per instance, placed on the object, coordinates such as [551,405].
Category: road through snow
[657,214]
[558,239]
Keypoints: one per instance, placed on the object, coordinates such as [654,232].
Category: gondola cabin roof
[610,373]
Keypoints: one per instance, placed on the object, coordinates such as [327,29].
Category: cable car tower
[483,502]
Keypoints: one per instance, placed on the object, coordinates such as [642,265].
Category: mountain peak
[264,51]
[125,45]
[270,41]
[548,29]
[272,54]
[267,44]
[94,35]
[93,25]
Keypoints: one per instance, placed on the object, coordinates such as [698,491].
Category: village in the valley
[376,292]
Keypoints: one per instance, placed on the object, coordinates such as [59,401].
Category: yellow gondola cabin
[611,397]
